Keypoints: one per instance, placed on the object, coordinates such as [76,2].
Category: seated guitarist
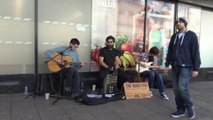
[70,74]
[151,74]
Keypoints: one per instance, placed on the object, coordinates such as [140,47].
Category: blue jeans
[150,76]
[180,81]
[158,77]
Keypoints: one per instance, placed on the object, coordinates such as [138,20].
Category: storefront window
[17,37]
[104,21]
[159,26]
[128,24]
[206,41]
[90,21]
[193,15]
[58,22]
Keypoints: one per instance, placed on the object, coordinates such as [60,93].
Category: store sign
[139,90]
[104,21]
[106,3]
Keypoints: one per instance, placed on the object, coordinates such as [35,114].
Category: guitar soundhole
[61,65]
[65,63]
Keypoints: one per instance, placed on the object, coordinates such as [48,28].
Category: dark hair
[154,50]
[110,37]
[74,41]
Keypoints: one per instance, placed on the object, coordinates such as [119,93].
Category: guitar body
[55,67]
[141,69]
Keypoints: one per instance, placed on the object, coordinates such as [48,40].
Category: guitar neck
[79,62]
[153,66]
[87,63]
[74,62]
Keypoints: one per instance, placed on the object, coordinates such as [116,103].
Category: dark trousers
[71,80]
[122,77]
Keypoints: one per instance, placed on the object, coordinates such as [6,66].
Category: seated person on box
[146,66]
[109,62]
[70,75]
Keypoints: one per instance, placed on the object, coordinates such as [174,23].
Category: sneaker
[178,114]
[191,113]
[151,94]
[164,96]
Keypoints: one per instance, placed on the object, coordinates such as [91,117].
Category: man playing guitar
[145,66]
[70,74]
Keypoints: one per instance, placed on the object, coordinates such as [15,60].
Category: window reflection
[57,26]
[193,14]
[162,28]
[17,36]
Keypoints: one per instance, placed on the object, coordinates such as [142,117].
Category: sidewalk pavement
[16,107]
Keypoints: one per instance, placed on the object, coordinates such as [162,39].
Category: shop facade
[30,27]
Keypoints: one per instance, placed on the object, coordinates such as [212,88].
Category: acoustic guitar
[53,66]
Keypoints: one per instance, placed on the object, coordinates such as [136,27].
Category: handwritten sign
[137,90]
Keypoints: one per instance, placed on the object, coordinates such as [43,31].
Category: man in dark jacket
[184,56]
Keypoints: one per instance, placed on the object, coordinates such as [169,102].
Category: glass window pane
[104,21]
[193,15]
[61,20]
[17,36]
[117,18]
[159,26]
[206,41]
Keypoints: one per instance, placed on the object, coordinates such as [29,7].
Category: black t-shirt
[109,55]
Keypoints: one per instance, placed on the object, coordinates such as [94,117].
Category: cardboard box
[138,90]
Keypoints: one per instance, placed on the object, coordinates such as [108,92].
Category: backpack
[44,84]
